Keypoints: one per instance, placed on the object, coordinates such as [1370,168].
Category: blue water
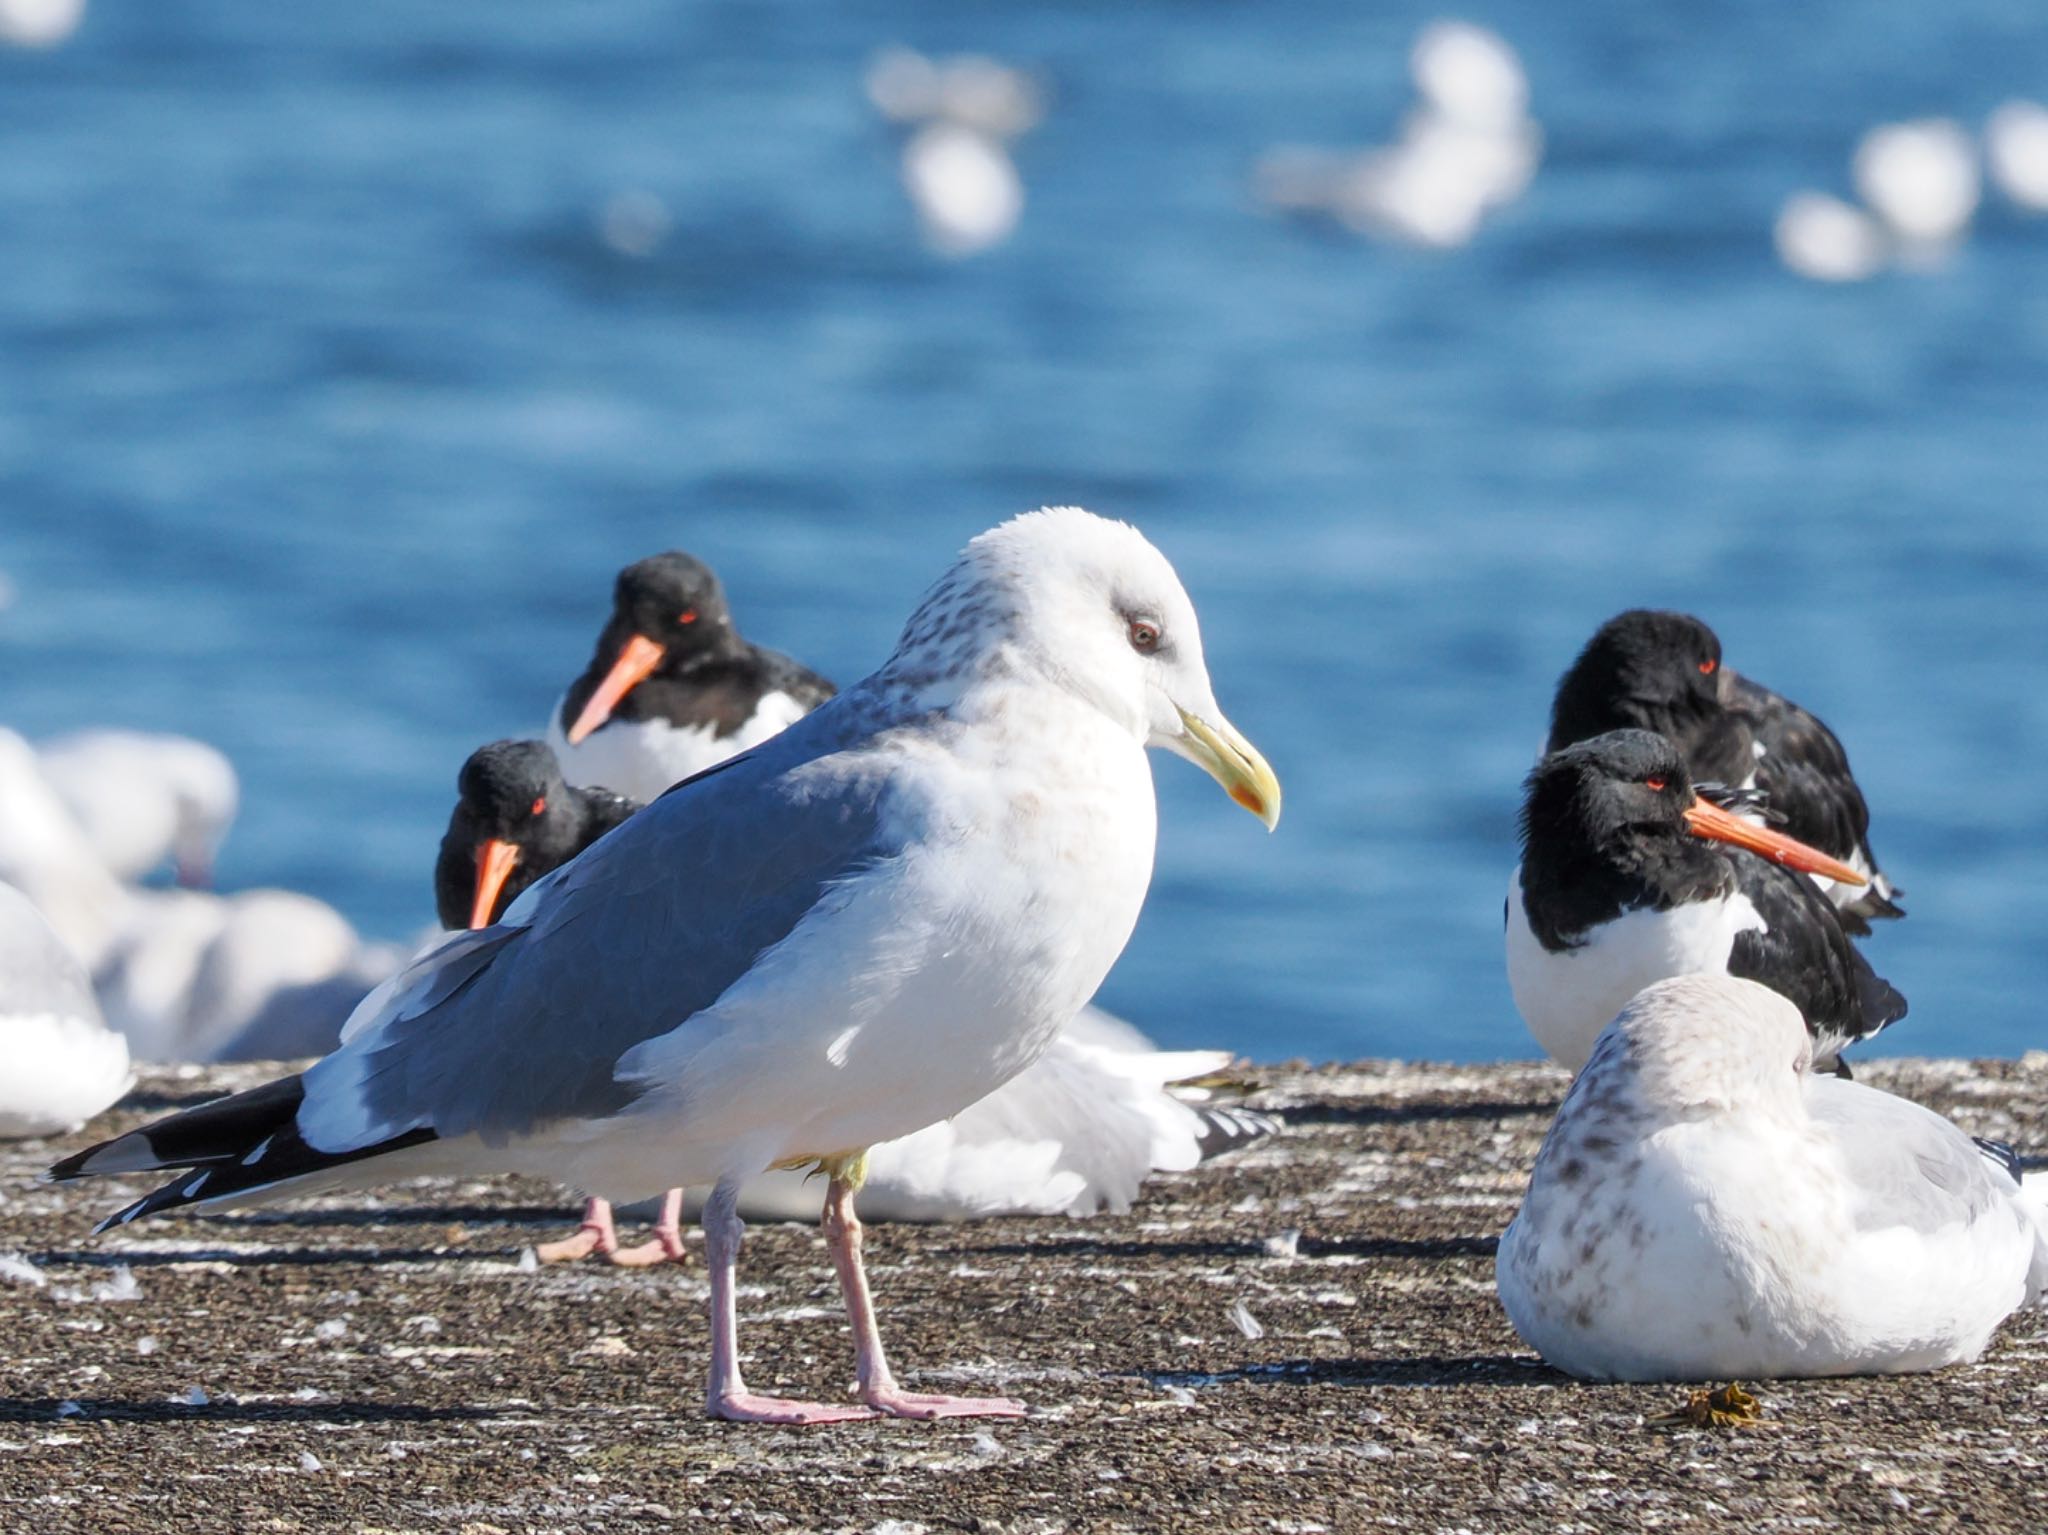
[326,415]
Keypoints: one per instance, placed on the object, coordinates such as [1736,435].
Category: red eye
[687,616]
[1707,666]
[1655,785]
[1144,636]
[539,805]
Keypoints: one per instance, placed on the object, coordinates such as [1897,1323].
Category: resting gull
[1075,1132]
[856,929]
[1706,1208]
[62,1063]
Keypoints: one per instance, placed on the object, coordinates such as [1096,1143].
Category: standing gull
[673,688]
[1075,1132]
[1629,876]
[1706,1208]
[856,929]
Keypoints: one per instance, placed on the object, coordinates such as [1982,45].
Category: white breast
[922,985]
[643,758]
[1567,998]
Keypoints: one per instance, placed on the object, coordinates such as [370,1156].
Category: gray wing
[498,1032]
[38,974]
[1908,1166]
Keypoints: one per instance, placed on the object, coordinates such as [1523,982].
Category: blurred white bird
[2016,151]
[142,798]
[1922,179]
[39,23]
[1466,149]
[971,91]
[961,113]
[62,1064]
[1829,240]
[966,191]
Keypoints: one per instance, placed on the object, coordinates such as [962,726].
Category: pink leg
[728,1396]
[877,1383]
[667,1246]
[595,1235]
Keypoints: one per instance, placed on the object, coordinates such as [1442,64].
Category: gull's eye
[1707,666]
[1144,636]
[1654,785]
[687,616]
[539,805]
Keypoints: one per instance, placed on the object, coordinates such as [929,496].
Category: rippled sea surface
[326,415]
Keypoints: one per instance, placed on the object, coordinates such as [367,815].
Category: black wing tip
[1227,1127]
[2002,1154]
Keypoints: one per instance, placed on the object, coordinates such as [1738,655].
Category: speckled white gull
[1704,1208]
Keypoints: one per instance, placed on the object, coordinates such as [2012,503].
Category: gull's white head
[1705,1043]
[1089,605]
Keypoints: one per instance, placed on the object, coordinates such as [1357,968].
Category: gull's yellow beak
[1233,762]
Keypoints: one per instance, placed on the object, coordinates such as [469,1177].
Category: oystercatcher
[1628,876]
[673,688]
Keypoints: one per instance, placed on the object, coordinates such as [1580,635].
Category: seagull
[1662,671]
[1074,1133]
[1627,877]
[856,929]
[64,1064]
[142,798]
[673,687]
[1707,1208]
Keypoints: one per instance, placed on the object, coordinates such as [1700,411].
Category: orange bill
[1705,819]
[637,657]
[495,861]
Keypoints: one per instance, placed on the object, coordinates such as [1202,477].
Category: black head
[514,821]
[1605,830]
[674,600]
[1644,668]
[512,789]
[1608,793]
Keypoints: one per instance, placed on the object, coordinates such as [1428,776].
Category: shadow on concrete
[1426,1370]
[87,1409]
[1430,1249]
[1416,1113]
[291,1257]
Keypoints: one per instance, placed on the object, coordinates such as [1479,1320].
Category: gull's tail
[235,1148]
[2034,1200]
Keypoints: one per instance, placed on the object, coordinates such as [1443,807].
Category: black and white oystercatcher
[674,688]
[1662,671]
[1629,876]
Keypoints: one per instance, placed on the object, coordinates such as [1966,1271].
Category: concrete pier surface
[1302,1336]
